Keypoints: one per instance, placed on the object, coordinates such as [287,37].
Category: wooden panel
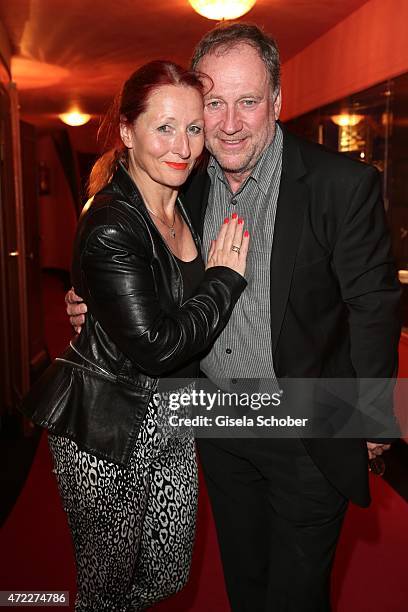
[37,352]
[10,328]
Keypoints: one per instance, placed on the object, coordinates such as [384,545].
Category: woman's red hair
[127,106]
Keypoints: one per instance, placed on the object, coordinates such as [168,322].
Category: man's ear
[126,134]
[277,105]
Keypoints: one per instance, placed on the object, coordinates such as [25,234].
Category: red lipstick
[177,165]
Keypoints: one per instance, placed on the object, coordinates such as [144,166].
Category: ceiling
[81,50]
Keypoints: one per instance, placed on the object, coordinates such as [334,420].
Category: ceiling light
[222,9]
[346,120]
[74,117]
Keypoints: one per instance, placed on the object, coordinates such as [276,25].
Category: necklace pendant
[172,232]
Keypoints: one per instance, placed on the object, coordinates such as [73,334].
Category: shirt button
[280,392]
[228,351]
[233,201]
[234,381]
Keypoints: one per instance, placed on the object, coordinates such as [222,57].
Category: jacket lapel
[128,187]
[195,197]
[291,206]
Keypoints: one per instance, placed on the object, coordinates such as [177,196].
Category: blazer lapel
[291,206]
[195,197]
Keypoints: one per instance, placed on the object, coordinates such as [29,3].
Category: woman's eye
[195,130]
[165,129]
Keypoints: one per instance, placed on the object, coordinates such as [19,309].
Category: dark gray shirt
[244,348]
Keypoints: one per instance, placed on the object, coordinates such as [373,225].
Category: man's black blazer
[334,291]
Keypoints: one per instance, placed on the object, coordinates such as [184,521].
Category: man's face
[239,111]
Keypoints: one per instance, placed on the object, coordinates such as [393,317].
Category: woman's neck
[158,198]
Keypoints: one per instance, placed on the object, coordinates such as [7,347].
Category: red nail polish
[226,220]
[246,233]
[240,221]
[234,215]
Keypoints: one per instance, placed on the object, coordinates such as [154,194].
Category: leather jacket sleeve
[120,290]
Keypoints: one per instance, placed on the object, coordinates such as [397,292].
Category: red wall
[56,211]
[367,47]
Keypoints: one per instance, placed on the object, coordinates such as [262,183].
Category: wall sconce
[352,135]
[74,117]
[43,179]
[222,9]
[346,120]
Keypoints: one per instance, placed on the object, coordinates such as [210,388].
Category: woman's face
[165,140]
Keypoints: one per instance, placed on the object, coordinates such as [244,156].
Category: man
[321,301]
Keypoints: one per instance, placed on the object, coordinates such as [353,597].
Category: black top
[192,273]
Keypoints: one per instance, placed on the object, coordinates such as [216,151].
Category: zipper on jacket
[105,376]
[95,365]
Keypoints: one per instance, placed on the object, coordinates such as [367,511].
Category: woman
[129,484]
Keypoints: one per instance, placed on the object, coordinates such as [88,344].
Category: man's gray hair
[224,37]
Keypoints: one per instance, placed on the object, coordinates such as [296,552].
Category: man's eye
[164,128]
[249,103]
[213,104]
[195,130]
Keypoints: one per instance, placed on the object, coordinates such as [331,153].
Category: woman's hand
[76,310]
[230,248]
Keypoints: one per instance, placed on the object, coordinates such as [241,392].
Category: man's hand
[76,310]
[374,449]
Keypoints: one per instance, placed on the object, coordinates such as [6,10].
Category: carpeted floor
[36,553]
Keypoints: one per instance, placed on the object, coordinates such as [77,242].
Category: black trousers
[278,520]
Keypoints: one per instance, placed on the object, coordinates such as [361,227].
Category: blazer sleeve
[370,289]
[123,297]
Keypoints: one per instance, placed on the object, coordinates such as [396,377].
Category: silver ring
[235,248]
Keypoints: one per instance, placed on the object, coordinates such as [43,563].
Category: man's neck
[236,179]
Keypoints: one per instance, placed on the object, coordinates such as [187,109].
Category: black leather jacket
[137,329]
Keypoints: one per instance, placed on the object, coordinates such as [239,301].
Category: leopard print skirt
[132,528]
